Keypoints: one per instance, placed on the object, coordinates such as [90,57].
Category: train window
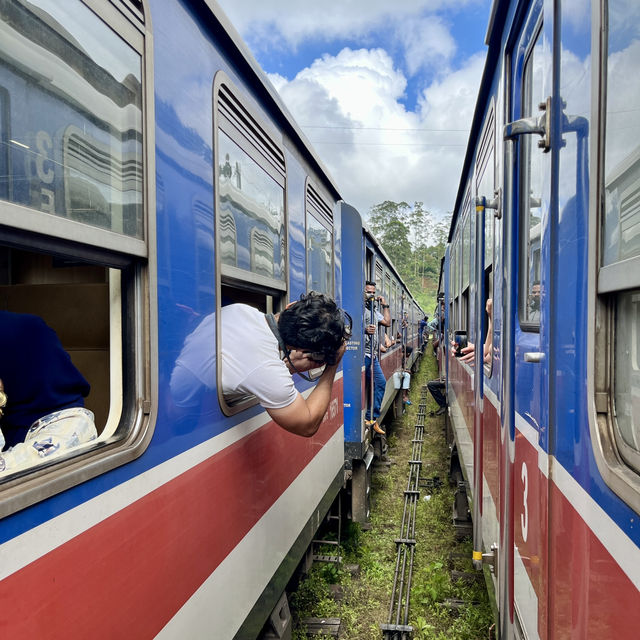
[251,241]
[454,284]
[467,261]
[617,370]
[387,295]
[319,242]
[531,161]
[74,246]
[71,165]
[485,187]
[250,215]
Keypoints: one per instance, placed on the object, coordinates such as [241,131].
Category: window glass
[486,190]
[621,237]
[251,213]
[621,220]
[73,139]
[466,250]
[531,189]
[454,270]
[319,257]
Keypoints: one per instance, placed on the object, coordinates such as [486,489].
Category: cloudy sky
[384,91]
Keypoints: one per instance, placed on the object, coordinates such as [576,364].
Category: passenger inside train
[467,354]
[41,394]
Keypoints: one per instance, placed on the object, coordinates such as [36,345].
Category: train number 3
[524,517]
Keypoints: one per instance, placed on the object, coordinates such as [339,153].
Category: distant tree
[415,244]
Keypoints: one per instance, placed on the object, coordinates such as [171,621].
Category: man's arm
[303,416]
[386,316]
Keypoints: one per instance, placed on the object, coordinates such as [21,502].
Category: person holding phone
[261,353]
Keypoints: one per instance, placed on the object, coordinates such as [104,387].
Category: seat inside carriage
[73,299]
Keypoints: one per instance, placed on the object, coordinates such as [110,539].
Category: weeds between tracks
[358,591]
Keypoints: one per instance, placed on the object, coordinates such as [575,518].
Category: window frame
[604,282]
[526,149]
[467,262]
[26,219]
[317,207]
[486,162]
[273,160]
[38,231]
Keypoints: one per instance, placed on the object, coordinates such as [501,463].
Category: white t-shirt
[251,361]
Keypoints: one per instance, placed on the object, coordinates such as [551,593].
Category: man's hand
[301,361]
[468,353]
[370,329]
[304,416]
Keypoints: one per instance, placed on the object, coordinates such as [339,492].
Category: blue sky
[384,91]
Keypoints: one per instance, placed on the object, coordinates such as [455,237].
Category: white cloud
[296,20]
[427,43]
[284,25]
[375,149]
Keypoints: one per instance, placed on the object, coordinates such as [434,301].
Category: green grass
[366,596]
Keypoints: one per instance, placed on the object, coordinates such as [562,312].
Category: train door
[524,462]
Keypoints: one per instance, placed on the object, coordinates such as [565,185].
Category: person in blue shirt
[421,327]
[41,388]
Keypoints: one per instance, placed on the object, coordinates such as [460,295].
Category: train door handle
[533,356]
[540,125]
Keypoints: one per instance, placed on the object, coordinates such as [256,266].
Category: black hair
[314,323]
[371,283]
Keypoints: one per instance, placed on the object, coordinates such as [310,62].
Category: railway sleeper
[322,627]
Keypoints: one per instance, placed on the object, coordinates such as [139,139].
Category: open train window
[251,240]
[74,247]
[616,348]
[319,242]
[530,190]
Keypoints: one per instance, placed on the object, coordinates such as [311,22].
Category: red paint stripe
[590,595]
[128,575]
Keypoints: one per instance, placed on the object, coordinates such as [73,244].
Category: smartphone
[461,342]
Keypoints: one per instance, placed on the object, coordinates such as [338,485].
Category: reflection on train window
[255,202]
[467,261]
[74,254]
[74,94]
[5,136]
[619,275]
[319,243]
[387,294]
[454,284]
[530,194]
[485,190]
[251,242]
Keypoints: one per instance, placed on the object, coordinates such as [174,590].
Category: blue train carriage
[149,175]
[546,416]
[364,259]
